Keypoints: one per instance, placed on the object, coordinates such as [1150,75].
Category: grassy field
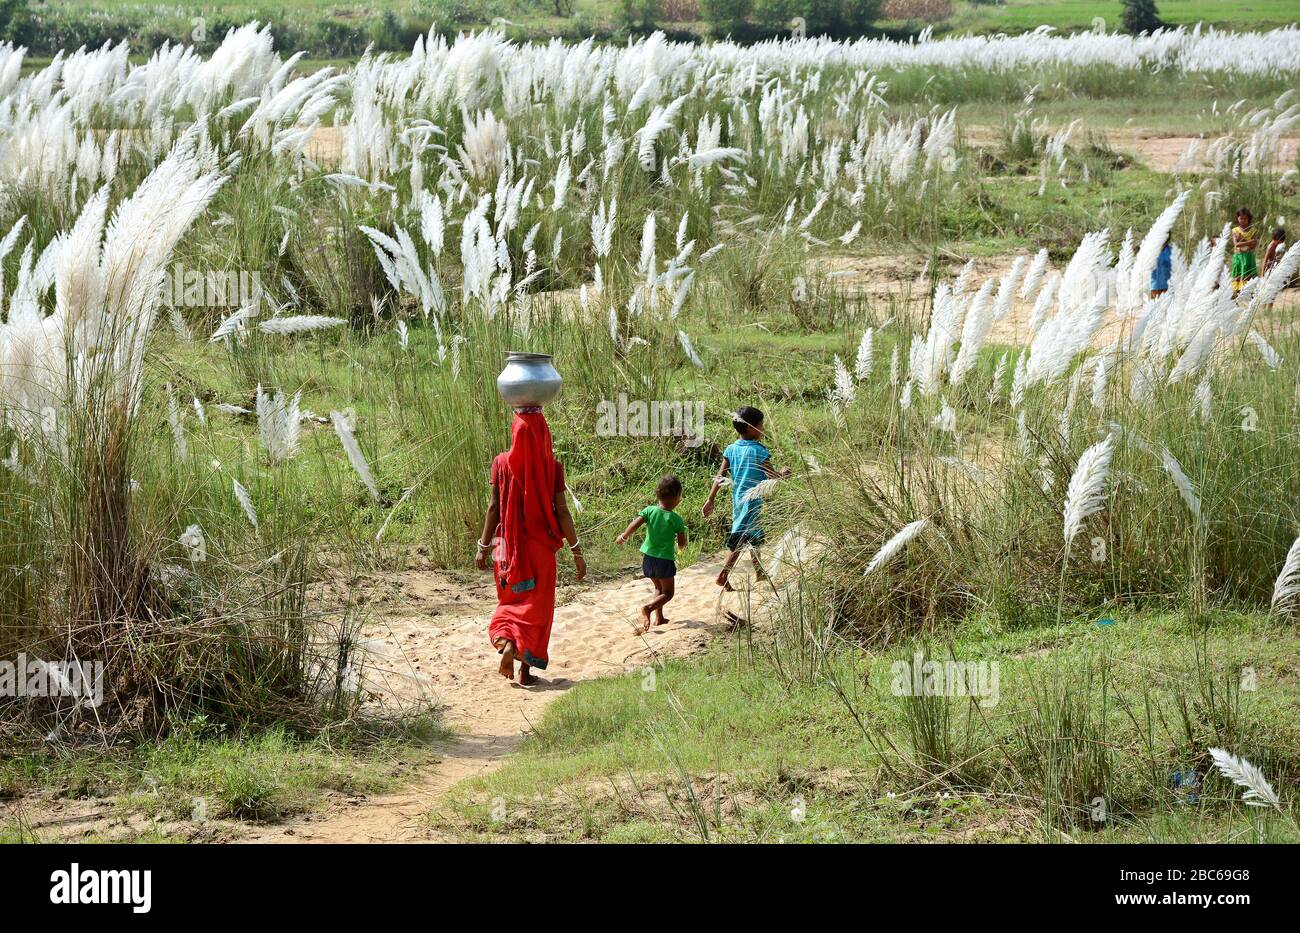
[733,749]
[1022,15]
[1011,14]
[538,18]
[168,790]
[929,291]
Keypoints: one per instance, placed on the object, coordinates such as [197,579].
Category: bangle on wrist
[484,547]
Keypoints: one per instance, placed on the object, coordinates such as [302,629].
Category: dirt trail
[1160,152]
[593,637]
[427,638]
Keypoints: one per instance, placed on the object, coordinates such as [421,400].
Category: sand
[594,636]
[427,636]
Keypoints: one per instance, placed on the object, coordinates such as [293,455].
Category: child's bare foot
[663,619]
[723,581]
[525,678]
[507,666]
[645,614]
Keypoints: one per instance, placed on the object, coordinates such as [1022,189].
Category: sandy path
[1157,151]
[427,636]
[593,637]
[1160,152]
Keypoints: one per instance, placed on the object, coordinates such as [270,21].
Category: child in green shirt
[665,531]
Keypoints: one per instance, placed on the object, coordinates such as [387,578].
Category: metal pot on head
[528,381]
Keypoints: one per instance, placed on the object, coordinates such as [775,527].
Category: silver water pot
[528,380]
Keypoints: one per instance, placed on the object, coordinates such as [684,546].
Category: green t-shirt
[661,530]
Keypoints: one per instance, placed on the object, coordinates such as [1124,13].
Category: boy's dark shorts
[738,539]
[656,568]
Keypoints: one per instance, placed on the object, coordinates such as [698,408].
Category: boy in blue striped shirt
[749,463]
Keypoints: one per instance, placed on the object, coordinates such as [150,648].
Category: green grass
[1024,15]
[723,750]
[200,771]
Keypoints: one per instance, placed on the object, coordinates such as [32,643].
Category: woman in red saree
[527,521]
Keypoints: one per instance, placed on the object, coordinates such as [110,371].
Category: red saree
[527,478]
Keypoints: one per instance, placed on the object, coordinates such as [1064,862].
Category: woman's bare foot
[525,678]
[507,666]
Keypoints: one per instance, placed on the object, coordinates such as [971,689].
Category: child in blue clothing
[749,463]
[1163,270]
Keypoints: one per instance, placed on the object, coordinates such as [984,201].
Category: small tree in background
[726,17]
[13,15]
[1141,16]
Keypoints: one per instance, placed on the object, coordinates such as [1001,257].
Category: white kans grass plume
[1149,252]
[178,429]
[343,428]
[195,544]
[105,273]
[1034,277]
[1287,586]
[946,420]
[845,391]
[1271,357]
[760,490]
[299,324]
[1007,289]
[1282,274]
[979,319]
[279,422]
[1258,791]
[896,544]
[1204,399]
[245,502]
[237,323]
[1186,488]
[862,364]
[689,349]
[1086,494]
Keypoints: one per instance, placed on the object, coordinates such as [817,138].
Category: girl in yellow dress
[1244,241]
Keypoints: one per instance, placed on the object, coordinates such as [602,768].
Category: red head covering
[528,494]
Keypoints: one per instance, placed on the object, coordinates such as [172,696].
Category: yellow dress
[1244,267]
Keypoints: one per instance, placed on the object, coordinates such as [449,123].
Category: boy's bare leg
[668,587]
[726,569]
[646,609]
[508,655]
[664,592]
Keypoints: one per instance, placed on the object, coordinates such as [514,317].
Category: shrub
[1141,16]
[838,18]
[774,14]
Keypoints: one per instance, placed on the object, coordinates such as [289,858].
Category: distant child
[1276,249]
[749,463]
[1163,270]
[1244,242]
[664,532]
